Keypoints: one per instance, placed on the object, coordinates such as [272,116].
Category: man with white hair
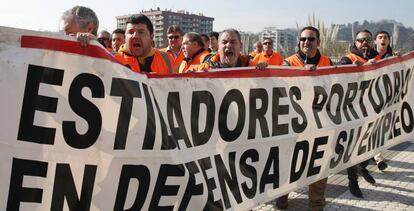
[81,22]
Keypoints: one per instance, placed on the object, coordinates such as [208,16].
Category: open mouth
[382,44]
[228,53]
[137,45]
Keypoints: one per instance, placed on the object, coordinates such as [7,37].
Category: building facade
[248,39]
[161,20]
[284,40]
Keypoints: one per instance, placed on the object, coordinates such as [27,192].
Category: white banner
[81,132]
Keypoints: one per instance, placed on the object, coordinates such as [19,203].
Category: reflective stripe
[167,60]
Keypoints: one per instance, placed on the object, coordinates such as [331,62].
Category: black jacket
[370,54]
[242,61]
[389,53]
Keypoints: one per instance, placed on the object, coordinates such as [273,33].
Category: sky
[244,15]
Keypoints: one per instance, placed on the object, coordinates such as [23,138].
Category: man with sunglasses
[308,57]
[104,37]
[268,55]
[175,38]
[360,53]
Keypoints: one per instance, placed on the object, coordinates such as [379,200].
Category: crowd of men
[192,52]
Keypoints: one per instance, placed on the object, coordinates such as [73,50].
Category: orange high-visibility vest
[252,54]
[176,62]
[295,61]
[159,64]
[110,50]
[198,59]
[353,57]
[274,59]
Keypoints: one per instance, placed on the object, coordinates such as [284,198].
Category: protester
[137,53]
[384,50]
[118,39]
[214,42]
[382,45]
[228,55]
[175,38]
[81,22]
[361,52]
[206,40]
[309,57]
[268,55]
[194,51]
[257,49]
[104,37]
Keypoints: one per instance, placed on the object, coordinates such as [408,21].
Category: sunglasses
[311,39]
[267,43]
[361,40]
[173,37]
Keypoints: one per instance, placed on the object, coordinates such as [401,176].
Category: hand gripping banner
[81,132]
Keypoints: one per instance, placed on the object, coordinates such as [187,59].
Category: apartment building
[284,40]
[162,19]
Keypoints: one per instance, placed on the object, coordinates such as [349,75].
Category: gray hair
[105,32]
[256,44]
[82,16]
[231,30]
[195,37]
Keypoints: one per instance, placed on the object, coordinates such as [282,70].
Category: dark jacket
[389,53]
[214,62]
[366,55]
